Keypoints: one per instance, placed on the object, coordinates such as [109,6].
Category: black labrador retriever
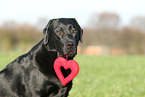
[32,74]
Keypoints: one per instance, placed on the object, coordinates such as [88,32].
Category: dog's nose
[70,45]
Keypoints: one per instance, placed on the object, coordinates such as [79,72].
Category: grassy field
[103,76]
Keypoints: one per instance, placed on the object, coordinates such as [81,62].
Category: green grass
[6,58]
[104,76]
[110,76]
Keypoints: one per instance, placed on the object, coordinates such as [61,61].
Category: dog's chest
[52,89]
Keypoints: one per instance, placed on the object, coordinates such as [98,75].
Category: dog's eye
[74,31]
[58,32]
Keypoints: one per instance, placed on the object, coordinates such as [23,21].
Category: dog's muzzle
[70,45]
[70,50]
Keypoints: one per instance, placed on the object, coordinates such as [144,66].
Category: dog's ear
[80,30]
[46,32]
[81,35]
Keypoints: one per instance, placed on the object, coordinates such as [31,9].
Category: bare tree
[41,23]
[105,21]
[138,22]
[9,25]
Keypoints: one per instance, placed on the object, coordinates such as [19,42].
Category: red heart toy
[71,64]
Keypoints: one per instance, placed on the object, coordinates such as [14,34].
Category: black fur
[32,74]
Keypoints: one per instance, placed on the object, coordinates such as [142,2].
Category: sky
[31,10]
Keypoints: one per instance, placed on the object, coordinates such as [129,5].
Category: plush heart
[70,64]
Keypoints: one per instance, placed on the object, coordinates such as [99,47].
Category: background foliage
[104,29]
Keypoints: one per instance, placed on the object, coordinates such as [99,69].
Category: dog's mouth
[69,55]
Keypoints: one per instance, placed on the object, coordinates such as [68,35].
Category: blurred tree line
[18,37]
[104,29]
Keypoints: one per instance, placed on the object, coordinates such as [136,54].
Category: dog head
[63,35]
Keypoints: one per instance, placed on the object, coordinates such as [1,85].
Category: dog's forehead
[64,22]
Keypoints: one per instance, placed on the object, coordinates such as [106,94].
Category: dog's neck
[44,59]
